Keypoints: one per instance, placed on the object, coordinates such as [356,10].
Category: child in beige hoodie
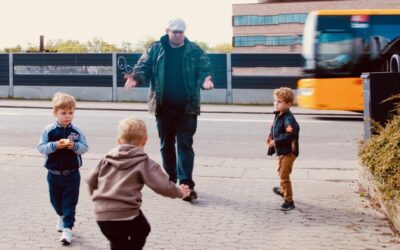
[115,186]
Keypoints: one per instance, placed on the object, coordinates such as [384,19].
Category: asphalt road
[226,135]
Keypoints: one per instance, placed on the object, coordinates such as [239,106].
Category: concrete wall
[81,93]
[239,96]
[3,91]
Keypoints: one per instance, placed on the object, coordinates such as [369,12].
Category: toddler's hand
[71,145]
[185,190]
[62,143]
[272,143]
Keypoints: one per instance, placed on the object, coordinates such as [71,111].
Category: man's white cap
[176,24]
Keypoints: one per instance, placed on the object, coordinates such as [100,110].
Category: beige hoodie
[116,182]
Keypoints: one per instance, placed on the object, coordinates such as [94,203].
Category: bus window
[334,51]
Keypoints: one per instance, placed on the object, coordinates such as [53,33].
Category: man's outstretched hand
[130,82]
[208,84]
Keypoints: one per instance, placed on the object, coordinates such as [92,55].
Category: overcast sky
[23,21]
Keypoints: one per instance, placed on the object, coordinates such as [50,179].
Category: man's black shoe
[286,206]
[192,196]
[277,190]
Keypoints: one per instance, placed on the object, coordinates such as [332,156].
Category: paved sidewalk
[236,212]
[236,208]
[213,108]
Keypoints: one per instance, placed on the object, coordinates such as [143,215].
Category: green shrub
[381,155]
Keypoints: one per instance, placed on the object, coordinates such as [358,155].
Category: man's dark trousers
[176,126]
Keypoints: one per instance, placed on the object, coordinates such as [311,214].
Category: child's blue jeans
[64,195]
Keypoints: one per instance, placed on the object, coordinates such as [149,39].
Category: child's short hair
[284,93]
[132,130]
[63,101]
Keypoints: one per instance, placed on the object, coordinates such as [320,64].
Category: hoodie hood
[126,156]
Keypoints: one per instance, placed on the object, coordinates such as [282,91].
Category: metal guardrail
[107,69]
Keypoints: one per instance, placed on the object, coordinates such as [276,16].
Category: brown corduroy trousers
[285,165]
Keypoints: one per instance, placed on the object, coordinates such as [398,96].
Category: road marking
[199,119]
[20,114]
[254,120]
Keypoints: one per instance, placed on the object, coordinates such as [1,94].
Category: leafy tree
[142,45]
[203,45]
[32,48]
[66,46]
[222,48]
[98,45]
[126,47]
[15,49]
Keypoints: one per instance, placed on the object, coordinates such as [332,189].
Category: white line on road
[20,114]
[200,119]
[254,120]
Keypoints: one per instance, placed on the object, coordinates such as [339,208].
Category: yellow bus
[338,45]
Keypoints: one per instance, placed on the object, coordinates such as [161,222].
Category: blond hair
[63,101]
[285,94]
[132,131]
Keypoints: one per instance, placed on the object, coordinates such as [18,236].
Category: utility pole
[41,46]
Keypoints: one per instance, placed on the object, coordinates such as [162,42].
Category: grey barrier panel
[264,82]
[4,69]
[47,60]
[126,62]
[229,92]
[267,60]
[114,77]
[63,80]
[67,59]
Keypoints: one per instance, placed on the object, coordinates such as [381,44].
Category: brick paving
[235,211]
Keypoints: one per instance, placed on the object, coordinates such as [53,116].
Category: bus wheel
[395,63]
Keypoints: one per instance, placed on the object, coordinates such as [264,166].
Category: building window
[250,41]
[269,20]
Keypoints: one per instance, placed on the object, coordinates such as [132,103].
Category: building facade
[276,26]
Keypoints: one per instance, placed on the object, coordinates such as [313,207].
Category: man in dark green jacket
[177,69]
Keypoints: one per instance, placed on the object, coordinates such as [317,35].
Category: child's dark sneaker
[192,196]
[277,190]
[286,206]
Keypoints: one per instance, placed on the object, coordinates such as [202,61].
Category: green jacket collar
[188,45]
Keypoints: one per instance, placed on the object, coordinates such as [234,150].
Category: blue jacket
[285,133]
[60,160]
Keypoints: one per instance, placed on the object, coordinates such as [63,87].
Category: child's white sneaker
[60,224]
[66,236]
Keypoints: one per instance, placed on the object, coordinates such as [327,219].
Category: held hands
[65,143]
[130,82]
[270,142]
[208,84]
[185,190]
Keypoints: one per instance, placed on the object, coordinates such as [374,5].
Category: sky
[23,21]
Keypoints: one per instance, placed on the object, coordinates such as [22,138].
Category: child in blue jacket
[63,143]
